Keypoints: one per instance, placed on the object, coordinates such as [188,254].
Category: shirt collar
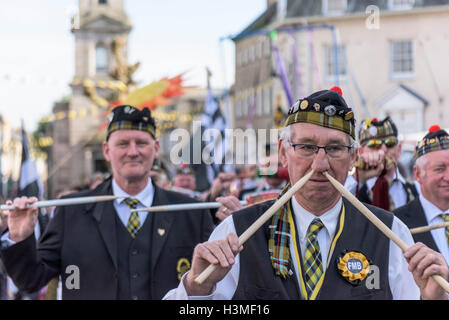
[430,210]
[145,196]
[370,182]
[304,218]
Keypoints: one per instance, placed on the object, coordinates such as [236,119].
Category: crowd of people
[302,252]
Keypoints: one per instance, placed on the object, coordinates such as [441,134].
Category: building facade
[76,153]
[388,56]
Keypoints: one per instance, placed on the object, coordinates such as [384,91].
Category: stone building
[391,59]
[76,153]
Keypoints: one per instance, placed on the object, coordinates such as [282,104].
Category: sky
[168,37]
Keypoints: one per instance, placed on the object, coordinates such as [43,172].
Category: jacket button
[134,252]
[135,275]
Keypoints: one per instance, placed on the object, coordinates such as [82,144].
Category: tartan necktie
[133,225]
[313,264]
[446,219]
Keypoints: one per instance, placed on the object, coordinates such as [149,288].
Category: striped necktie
[313,264]
[133,225]
[446,219]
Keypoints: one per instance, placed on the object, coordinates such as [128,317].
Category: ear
[417,173]
[156,149]
[106,151]
[282,154]
[353,158]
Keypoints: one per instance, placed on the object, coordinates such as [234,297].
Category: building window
[330,67]
[101,59]
[245,57]
[258,50]
[401,59]
[239,59]
[238,107]
[259,102]
[267,100]
[267,47]
[334,7]
[252,53]
[401,4]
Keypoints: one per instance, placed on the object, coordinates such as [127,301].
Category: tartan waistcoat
[258,281]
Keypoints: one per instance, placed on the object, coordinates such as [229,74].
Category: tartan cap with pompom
[326,108]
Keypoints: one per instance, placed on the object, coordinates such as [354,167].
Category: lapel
[104,214]
[417,218]
[161,225]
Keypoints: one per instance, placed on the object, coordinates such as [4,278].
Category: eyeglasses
[333,150]
[377,143]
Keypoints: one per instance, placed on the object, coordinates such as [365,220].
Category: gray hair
[421,163]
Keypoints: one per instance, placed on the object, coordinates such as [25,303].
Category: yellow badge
[367,123]
[353,266]
[182,267]
[432,141]
[349,115]
[304,104]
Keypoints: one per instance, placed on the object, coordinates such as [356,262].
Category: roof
[307,8]
[415,94]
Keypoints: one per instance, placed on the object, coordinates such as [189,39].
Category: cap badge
[330,110]
[317,107]
[294,108]
[372,131]
[304,104]
[128,109]
[349,116]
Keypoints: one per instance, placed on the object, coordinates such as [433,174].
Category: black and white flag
[30,184]
[213,142]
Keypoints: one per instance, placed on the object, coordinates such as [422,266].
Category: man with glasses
[318,245]
[377,179]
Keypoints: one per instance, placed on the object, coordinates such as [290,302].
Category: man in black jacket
[103,250]
[431,170]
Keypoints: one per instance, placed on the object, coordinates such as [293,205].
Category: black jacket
[412,214]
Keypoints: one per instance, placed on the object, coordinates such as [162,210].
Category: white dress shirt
[396,191]
[402,284]
[145,198]
[432,213]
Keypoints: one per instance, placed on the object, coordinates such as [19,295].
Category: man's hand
[21,221]
[221,253]
[423,263]
[374,164]
[230,204]
[221,184]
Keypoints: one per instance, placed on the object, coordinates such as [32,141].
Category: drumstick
[428,228]
[259,222]
[378,223]
[184,206]
[63,202]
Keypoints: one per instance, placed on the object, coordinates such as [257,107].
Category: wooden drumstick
[428,228]
[259,222]
[378,223]
[63,202]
